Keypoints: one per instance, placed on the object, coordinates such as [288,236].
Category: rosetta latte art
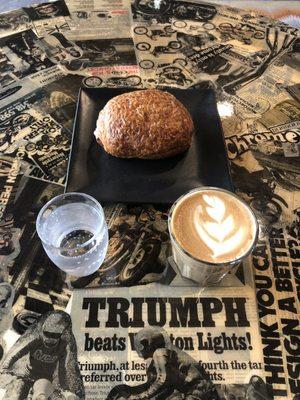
[216,228]
[213,225]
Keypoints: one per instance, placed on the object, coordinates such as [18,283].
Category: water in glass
[74,235]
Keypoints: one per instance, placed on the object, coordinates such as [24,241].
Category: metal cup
[204,272]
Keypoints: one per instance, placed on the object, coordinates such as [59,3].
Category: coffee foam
[213,226]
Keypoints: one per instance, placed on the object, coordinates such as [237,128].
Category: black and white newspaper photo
[21,56]
[43,362]
[168,343]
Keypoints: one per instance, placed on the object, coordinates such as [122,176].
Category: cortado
[212,231]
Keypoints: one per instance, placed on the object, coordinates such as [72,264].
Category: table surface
[251,61]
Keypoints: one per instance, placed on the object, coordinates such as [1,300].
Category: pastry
[147,124]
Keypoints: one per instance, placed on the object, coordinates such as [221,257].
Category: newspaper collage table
[247,331]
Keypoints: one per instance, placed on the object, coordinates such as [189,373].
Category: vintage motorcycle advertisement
[169,343]
[101,62]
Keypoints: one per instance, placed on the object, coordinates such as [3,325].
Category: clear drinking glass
[74,233]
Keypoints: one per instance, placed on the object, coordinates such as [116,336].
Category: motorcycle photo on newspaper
[154,34]
[165,10]
[113,81]
[135,249]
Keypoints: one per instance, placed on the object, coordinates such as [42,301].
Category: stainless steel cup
[204,272]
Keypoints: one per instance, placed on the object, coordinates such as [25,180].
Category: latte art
[219,232]
[213,226]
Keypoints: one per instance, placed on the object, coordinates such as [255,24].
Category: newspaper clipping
[168,343]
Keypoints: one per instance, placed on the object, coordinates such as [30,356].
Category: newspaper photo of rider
[172,374]
[43,362]
[47,10]
[21,55]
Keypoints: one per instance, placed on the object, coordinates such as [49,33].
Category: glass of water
[74,233]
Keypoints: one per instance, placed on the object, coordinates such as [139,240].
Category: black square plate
[110,179]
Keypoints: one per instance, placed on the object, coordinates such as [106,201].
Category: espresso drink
[213,226]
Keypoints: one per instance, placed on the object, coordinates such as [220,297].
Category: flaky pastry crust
[148,124]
